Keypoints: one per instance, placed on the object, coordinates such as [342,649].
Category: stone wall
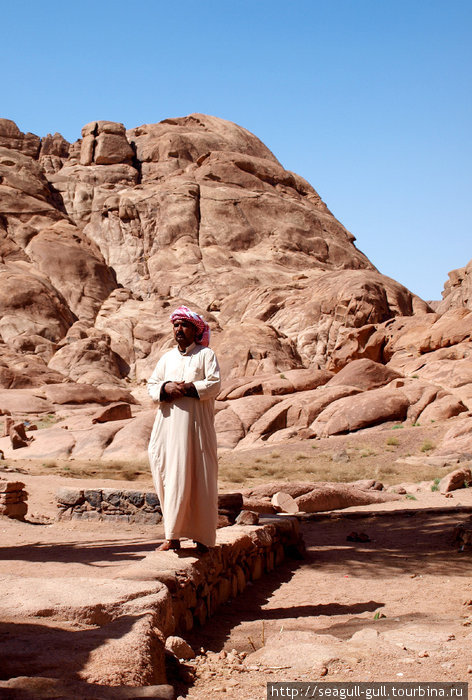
[200,584]
[197,584]
[13,499]
[108,505]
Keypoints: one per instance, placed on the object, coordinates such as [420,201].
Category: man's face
[184,333]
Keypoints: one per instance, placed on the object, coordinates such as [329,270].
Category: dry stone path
[393,608]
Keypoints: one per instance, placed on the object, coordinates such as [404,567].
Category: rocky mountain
[102,238]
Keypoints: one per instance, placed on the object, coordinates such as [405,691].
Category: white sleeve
[156,380]
[209,387]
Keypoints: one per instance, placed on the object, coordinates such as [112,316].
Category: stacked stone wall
[13,499]
[200,584]
[248,553]
[108,505]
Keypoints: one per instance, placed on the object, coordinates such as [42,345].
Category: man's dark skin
[184,333]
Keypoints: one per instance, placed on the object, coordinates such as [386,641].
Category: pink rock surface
[101,238]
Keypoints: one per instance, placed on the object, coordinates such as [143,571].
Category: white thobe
[182,448]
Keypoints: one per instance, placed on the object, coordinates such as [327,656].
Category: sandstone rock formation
[101,238]
[458,289]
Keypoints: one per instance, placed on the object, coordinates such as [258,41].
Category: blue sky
[369,100]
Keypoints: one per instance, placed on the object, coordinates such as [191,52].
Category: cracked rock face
[101,238]
[194,209]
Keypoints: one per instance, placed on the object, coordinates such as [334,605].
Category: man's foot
[201,548]
[169,544]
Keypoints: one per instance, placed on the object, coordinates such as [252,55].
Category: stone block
[6,486]
[94,497]
[92,515]
[247,517]
[86,150]
[111,149]
[152,500]
[69,497]
[257,568]
[241,578]
[145,518]
[201,612]
[17,511]
[136,498]
[224,590]
[13,497]
[179,647]
[234,586]
[112,496]
[279,554]
[270,561]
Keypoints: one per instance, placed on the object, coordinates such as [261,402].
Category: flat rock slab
[37,688]
[89,601]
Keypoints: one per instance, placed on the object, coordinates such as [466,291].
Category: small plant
[397,427]
[47,421]
[411,497]
[435,484]
[367,452]
[282,376]
[427,446]
[416,425]
[300,456]
[415,376]
[393,441]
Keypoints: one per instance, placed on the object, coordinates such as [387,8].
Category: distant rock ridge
[101,238]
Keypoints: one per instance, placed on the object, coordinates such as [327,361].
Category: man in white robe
[182,448]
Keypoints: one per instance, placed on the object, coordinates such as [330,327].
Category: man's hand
[174,390]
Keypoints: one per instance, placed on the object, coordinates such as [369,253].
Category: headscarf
[203,329]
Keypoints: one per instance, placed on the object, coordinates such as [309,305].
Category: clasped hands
[176,390]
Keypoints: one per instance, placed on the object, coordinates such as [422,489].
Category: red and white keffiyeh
[203,329]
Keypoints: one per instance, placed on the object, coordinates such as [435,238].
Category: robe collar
[187,350]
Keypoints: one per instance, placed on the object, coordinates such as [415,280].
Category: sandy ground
[405,592]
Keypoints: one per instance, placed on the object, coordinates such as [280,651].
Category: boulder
[364,374]
[115,411]
[69,393]
[19,401]
[284,503]
[458,439]
[457,479]
[18,437]
[445,407]
[335,496]
[360,411]
[292,488]
[179,648]
[89,361]
[247,517]
[258,505]
[229,428]
[131,442]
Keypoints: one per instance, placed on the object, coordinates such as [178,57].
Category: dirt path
[319,618]
[409,572]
